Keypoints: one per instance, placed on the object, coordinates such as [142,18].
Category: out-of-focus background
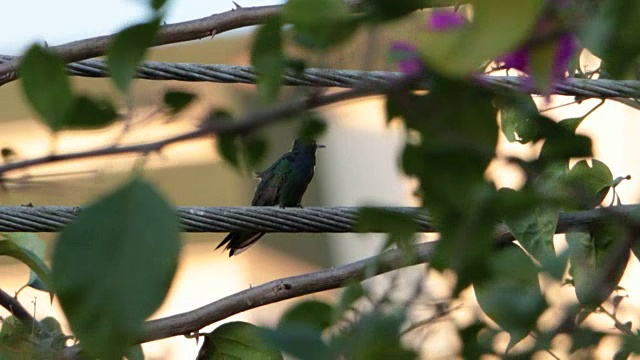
[358,167]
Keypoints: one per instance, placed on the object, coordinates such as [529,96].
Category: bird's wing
[286,158]
[271,180]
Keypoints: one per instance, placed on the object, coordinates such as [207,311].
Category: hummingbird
[283,184]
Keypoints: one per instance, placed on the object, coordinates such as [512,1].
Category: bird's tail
[237,242]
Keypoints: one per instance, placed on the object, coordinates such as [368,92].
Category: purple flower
[406,55]
[518,59]
[566,47]
[442,20]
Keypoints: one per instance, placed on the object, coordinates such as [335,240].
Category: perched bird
[283,184]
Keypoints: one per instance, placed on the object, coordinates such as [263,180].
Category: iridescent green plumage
[283,184]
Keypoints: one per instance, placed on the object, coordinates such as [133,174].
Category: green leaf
[268,59]
[89,113]
[631,345]
[312,127]
[319,24]
[476,341]
[228,148]
[298,340]
[25,249]
[612,36]
[127,51]
[135,353]
[237,340]
[598,260]
[157,4]
[113,266]
[451,134]
[312,313]
[584,338]
[518,119]
[459,52]
[542,58]
[400,225]
[458,197]
[46,86]
[16,340]
[562,143]
[31,242]
[254,150]
[534,230]
[571,124]
[226,144]
[175,101]
[374,335]
[511,296]
[590,184]
[350,295]
[51,325]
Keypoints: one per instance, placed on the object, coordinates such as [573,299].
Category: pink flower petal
[442,20]
[407,58]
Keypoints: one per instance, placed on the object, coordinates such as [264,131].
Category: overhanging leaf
[311,313]
[320,24]
[511,296]
[374,335]
[610,35]
[350,295]
[542,58]
[175,100]
[90,113]
[591,184]
[312,127]
[518,119]
[46,86]
[26,250]
[598,259]
[254,148]
[298,340]
[268,58]
[237,340]
[127,51]
[400,226]
[229,149]
[113,266]
[33,243]
[460,52]
[534,230]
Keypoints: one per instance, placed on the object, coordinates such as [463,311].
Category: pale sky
[61,21]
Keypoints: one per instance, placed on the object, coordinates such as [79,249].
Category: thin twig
[168,34]
[593,109]
[433,318]
[618,325]
[16,309]
[244,125]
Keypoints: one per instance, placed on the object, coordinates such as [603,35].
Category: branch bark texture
[282,289]
[168,34]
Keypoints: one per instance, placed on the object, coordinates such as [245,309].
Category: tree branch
[16,309]
[168,34]
[283,289]
[243,126]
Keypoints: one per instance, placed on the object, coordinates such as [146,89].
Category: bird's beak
[320,146]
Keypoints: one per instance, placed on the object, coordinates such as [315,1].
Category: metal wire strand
[153,70]
[263,219]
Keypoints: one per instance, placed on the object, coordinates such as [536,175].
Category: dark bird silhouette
[283,184]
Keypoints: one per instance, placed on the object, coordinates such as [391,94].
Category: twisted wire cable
[153,70]
[264,219]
